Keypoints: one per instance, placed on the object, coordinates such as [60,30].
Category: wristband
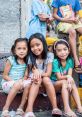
[68,76]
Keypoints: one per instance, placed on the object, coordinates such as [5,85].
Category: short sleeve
[50,57]
[36,7]
[55,66]
[77,5]
[71,63]
[55,4]
[11,59]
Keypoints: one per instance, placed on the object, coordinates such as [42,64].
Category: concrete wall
[9,23]
[14,17]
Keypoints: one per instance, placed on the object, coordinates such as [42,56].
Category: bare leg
[50,91]
[76,97]
[17,86]
[24,97]
[32,95]
[72,41]
[62,85]
[79,30]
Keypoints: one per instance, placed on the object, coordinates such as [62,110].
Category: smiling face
[36,46]
[21,49]
[62,51]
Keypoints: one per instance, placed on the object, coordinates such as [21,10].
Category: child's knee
[17,85]
[46,81]
[72,32]
[64,84]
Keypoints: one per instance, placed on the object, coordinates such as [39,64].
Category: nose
[62,52]
[22,51]
[35,48]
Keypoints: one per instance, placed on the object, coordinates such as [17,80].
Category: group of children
[30,65]
[67,19]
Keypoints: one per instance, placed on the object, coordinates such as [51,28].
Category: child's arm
[48,71]
[69,76]
[43,17]
[67,20]
[26,74]
[36,73]
[64,77]
[6,71]
[61,77]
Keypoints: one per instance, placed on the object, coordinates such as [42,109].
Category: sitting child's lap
[64,27]
[7,86]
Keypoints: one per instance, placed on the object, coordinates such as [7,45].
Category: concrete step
[41,103]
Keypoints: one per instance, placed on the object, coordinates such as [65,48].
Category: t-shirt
[49,59]
[57,67]
[59,3]
[35,24]
[17,71]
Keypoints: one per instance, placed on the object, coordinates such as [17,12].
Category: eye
[58,50]
[65,49]
[24,48]
[19,48]
[37,44]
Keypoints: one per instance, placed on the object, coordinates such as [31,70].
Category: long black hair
[14,46]
[33,57]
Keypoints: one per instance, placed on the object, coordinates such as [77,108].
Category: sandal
[78,68]
[19,112]
[5,113]
[56,112]
[69,114]
[78,113]
[29,114]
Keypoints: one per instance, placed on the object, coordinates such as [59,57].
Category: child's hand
[43,17]
[51,19]
[36,76]
[69,87]
[70,82]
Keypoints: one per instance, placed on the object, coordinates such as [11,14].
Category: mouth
[21,54]
[63,56]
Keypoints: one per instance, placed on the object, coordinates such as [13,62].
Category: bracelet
[68,76]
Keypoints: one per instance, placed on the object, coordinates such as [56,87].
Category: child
[68,21]
[15,74]
[62,76]
[40,70]
[40,16]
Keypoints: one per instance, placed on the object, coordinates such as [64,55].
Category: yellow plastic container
[51,40]
[72,102]
[80,46]
[80,13]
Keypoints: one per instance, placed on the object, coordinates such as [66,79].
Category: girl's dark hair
[64,42]
[61,41]
[14,46]
[44,52]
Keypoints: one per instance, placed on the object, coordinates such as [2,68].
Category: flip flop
[78,113]
[29,114]
[78,68]
[56,112]
[5,113]
[69,114]
[19,112]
